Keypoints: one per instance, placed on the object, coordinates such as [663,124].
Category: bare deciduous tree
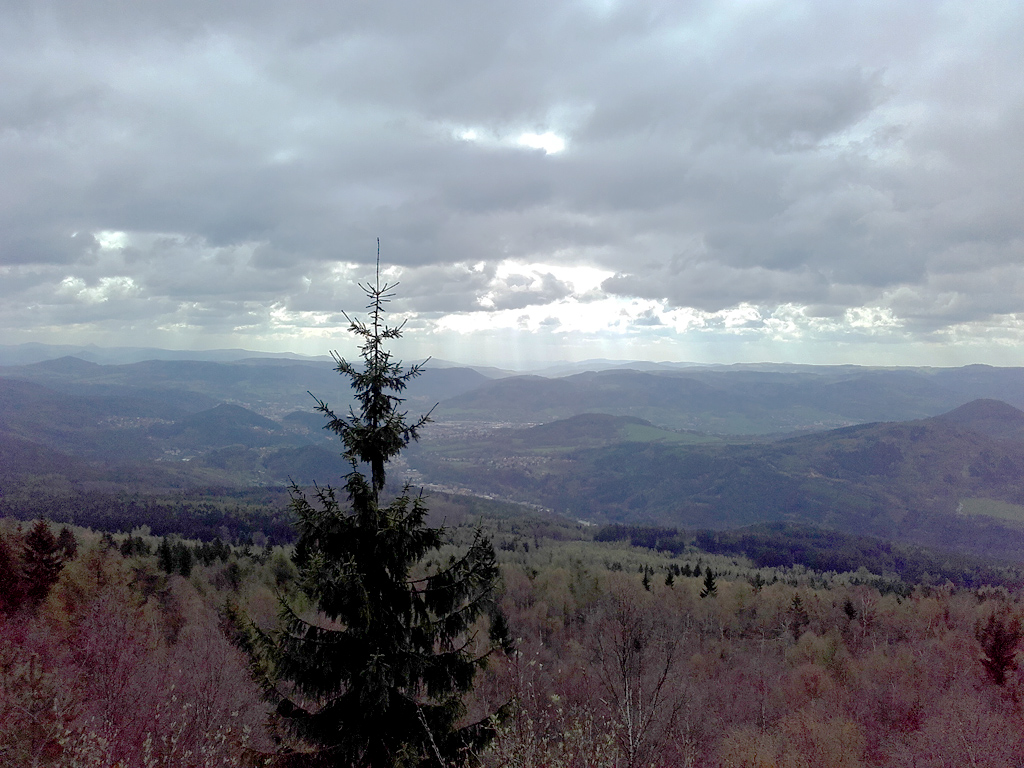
[637,649]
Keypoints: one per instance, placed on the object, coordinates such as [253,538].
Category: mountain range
[924,455]
[955,480]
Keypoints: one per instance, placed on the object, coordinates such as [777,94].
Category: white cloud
[107,289]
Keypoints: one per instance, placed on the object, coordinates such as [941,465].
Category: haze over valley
[928,456]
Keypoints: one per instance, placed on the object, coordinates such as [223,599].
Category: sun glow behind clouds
[549,142]
[588,311]
[111,240]
[582,277]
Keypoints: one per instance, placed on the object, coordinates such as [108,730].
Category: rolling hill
[945,481]
[900,453]
[218,427]
[736,402]
[271,387]
[138,442]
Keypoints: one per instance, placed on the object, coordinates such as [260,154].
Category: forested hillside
[842,597]
[624,656]
[71,429]
[955,480]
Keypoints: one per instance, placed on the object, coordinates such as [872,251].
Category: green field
[1003,510]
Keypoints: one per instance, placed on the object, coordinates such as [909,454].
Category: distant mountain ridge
[26,354]
[139,441]
[727,403]
[272,388]
[173,422]
[31,353]
[941,481]
[908,453]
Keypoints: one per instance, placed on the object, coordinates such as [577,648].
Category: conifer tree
[377,676]
[999,639]
[68,544]
[710,587]
[41,563]
[165,556]
[184,559]
[798,618]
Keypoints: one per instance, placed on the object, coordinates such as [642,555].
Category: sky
[799,181]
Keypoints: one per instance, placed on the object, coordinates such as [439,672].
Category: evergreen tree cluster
[175,557]
[210,552]
[135,546]
[229,514]
[29,567]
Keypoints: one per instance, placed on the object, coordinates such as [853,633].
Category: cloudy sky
[796,180]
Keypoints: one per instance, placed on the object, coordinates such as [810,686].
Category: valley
[926,456]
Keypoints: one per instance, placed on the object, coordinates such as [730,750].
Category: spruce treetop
[379,431]
[376,673]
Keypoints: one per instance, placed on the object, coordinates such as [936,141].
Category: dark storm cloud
[818,154]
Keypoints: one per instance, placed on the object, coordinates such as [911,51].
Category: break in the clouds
[808,181]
